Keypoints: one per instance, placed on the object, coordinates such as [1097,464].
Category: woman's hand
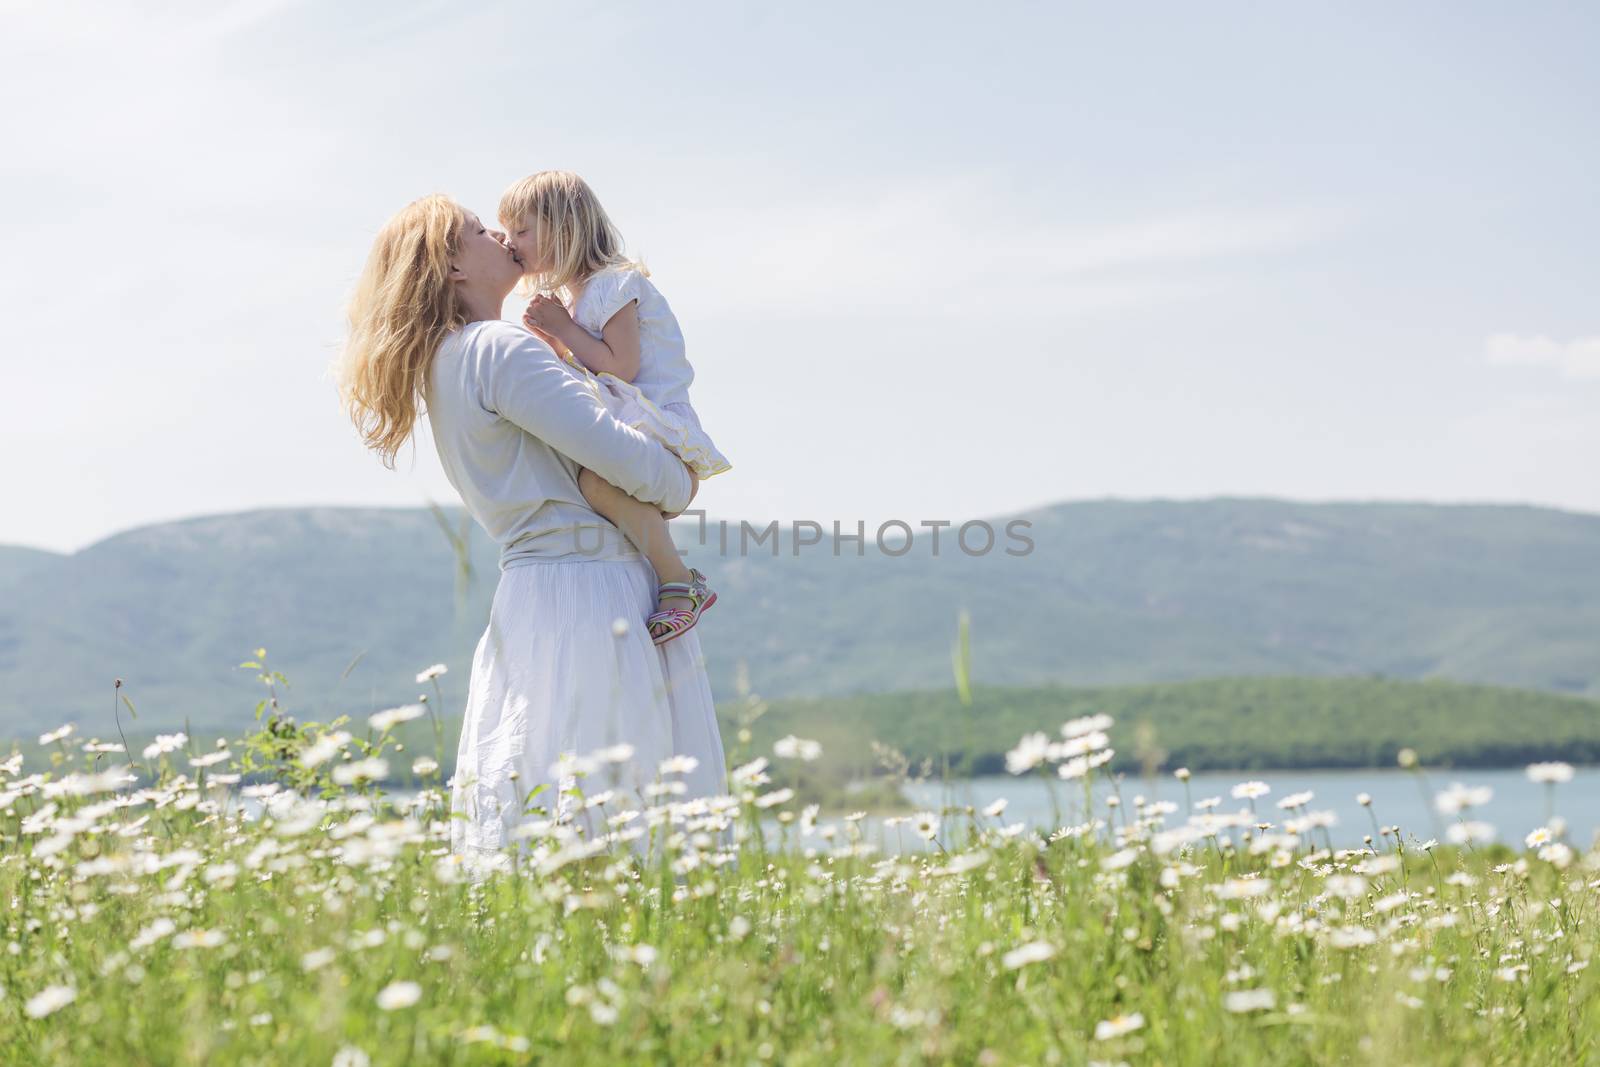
[547,317]
[546,338]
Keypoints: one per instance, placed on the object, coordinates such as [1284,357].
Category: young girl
[597,308]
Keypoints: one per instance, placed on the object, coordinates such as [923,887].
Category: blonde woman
[565,665]
[599,308]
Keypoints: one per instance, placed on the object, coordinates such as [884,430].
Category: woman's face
[486,258]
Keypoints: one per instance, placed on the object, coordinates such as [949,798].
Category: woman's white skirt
[566,668]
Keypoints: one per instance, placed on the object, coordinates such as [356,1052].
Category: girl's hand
[547,317]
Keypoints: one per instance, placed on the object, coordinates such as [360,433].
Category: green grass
[342,930]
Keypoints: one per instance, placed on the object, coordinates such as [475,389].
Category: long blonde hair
[571,229]
[403,306]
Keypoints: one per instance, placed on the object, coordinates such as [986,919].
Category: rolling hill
[17,563]
[350,603]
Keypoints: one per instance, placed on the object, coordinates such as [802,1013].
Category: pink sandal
[674,622]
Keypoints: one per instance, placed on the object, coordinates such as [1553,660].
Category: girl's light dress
[656,402]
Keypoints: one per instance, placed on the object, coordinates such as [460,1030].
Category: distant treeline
[1215,724]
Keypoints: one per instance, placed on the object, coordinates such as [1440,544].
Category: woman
[566,666]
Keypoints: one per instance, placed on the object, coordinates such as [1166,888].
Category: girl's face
[525,241]
[486,256]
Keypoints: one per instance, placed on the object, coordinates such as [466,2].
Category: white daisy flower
[793,747]
[1546,773]
[165,743]
[620,753]
[1088,724]
[679,764]
[1118,1026]
[1459,798]
[361,770]
[1029,753]
[389,718]
[325,748]
[49,1000]
[397,995]
[199,939]
[1034,952]
[1247,1000]
[1556,854]
[777,796]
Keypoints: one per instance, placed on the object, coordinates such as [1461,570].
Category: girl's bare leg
[641,523]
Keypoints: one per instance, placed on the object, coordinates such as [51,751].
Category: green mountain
[17,562]
[351,603]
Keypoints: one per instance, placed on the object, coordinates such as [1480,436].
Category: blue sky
[932,261]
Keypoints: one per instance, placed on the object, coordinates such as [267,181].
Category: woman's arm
[615,351]
[525,383]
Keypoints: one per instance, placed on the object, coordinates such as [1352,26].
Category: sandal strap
[676,622]
[694,590]
[669,617]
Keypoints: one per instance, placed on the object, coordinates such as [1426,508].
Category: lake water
[1516,807]
[1399,798]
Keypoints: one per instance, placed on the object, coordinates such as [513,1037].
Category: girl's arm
[615,351]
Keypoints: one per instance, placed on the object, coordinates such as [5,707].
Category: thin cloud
[959,245]
[1578,358]
[238,17]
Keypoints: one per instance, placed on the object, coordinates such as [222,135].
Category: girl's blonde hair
[403,306]
[571,230]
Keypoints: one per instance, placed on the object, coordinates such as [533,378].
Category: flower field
[266,903]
